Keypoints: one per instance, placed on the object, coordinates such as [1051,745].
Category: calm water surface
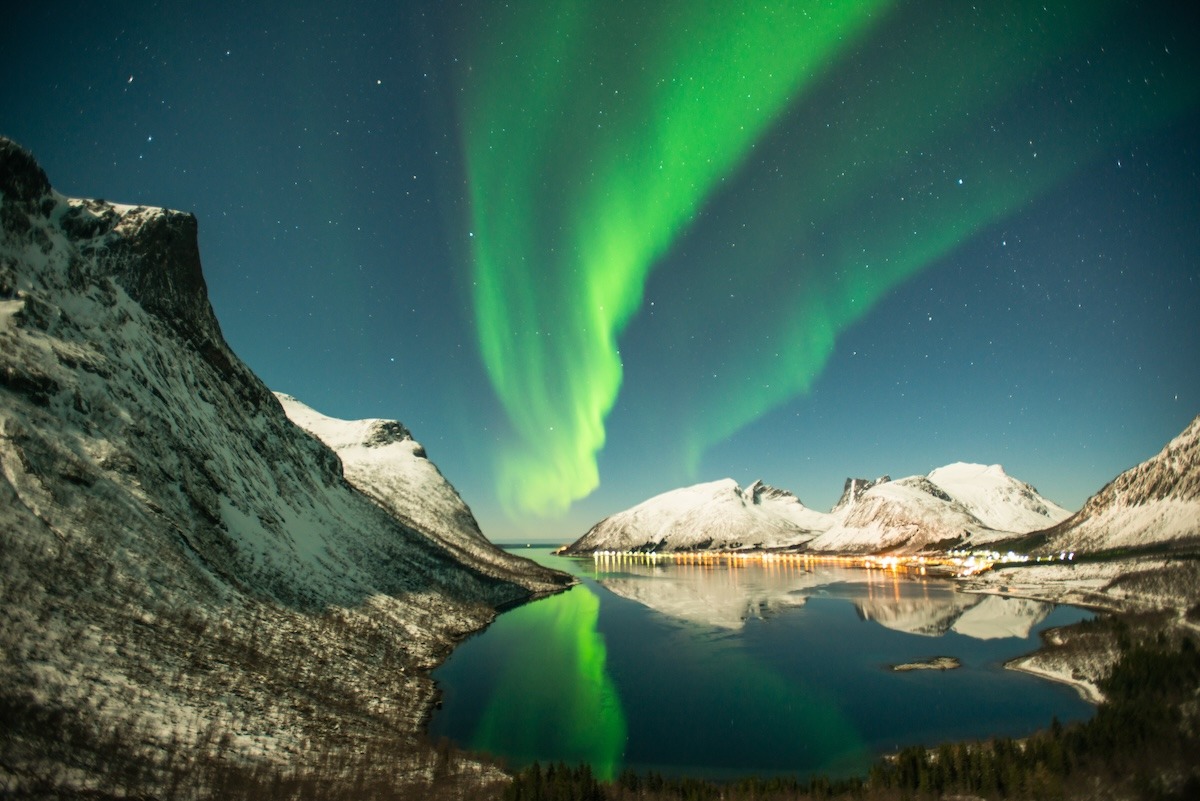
[719,671]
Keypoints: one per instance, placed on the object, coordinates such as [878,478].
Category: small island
[936,663]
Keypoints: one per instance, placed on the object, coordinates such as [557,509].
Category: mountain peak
[962,470]
[22,179]
[758,491]
[1154,503]
[150,253]
[960,502]
[854,488]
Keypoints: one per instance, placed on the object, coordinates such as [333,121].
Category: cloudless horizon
[589,252]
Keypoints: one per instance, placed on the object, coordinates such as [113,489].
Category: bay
[722,668]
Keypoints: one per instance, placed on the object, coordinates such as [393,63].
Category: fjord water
[721,670]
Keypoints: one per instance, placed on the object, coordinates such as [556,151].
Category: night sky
[593,251]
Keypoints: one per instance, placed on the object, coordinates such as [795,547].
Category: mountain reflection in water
[721,595]
[699,667]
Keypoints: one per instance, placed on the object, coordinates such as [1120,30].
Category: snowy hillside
[959,503]
[381,459]
[718,515]
[908,513]
[1156,503]
[187,578]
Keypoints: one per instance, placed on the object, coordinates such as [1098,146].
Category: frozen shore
[1078,658]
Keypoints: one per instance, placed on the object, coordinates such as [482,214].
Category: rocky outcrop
[854,489]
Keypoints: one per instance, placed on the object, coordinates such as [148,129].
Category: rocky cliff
[194,594]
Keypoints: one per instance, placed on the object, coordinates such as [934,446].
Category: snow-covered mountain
[381,459]
[956,504]
[994,498]
[719,515]
[1156,503]
[960,503]
[190,585]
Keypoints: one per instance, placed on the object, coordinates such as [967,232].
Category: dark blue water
[720,672]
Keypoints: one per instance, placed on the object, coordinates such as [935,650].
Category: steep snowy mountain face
[381,459]
[997,500]
[184,570]
[718,515]
[956,504]
[1156,503]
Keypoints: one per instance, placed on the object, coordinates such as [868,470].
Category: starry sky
[593,250]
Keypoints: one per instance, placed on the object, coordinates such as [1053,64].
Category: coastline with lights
[952,564]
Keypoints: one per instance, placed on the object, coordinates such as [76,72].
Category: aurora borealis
[579,183]
[577,194]
[592,251]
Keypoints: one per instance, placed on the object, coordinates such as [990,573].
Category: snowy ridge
[906,513]
[959,504]
[1156,503]
[181,563]
[381,459]
[719,515]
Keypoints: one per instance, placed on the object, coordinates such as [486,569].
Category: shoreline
[1088,691]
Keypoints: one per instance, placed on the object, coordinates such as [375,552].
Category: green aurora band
[912,168]
[594,140]
[593,136]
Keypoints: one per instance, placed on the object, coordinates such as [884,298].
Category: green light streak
[1010,133]
[593,136]
[558,703]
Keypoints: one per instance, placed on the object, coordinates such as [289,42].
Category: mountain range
[958,504]
[1152,505]
[191,582]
